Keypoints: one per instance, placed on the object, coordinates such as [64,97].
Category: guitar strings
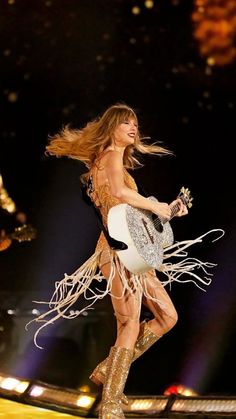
[157,222]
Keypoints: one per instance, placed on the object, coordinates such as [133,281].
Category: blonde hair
[88,143]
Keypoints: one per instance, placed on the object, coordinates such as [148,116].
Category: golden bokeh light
[149,4]
[136,10]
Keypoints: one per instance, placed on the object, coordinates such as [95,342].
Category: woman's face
[124,134]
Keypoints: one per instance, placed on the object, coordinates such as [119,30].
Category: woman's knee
[128,325]
[162,324]
[171,319]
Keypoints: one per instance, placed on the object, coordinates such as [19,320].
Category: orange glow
[215,30]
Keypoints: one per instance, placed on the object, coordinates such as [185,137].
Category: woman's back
[101,190]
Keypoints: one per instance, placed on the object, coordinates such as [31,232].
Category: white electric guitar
[144,233]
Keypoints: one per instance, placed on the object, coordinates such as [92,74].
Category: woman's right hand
[162,210]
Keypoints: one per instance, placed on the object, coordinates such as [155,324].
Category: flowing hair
[87,143]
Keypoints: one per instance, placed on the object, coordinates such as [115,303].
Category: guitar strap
[113,243]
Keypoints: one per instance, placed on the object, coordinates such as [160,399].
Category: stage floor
[14,410]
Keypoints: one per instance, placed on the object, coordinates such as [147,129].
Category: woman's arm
[113,165]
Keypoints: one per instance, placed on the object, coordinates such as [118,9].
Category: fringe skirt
[79,284]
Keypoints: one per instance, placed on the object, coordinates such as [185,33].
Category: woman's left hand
[183,210]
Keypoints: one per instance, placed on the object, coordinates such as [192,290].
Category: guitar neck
[158,221]
[174,210]
[186,199]
[175,207]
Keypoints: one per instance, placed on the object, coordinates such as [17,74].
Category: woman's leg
[127,311]
[127,306]
[165,317]
[159,303]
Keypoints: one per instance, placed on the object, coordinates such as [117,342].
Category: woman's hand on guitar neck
[180,210]
[162,210]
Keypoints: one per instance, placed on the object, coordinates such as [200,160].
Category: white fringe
[71,287]
[174,271]
[67,291]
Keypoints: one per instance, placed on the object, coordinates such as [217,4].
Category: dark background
[66,62]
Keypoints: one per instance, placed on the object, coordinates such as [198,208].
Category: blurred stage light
[84,388]
[215,30]
[47,396]
[13,385]
[11,312]
[205,405]
[85,401]
[179,389]
[145,404]
[43,394]
[86,404]
[176,406]
[36,391]
[136,10]
[149,4]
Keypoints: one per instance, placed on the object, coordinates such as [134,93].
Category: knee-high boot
[117,370]
[145,340]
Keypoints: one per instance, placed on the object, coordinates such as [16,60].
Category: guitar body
[135,227]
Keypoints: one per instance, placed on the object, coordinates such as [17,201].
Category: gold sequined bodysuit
[79,283]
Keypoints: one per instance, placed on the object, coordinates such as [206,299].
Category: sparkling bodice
[104,200]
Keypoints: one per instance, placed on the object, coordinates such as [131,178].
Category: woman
[107,146]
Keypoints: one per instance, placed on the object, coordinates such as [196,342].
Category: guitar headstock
[185,196]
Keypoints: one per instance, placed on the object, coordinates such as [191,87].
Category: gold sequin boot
[117,370]
[145,340]
[99,373]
